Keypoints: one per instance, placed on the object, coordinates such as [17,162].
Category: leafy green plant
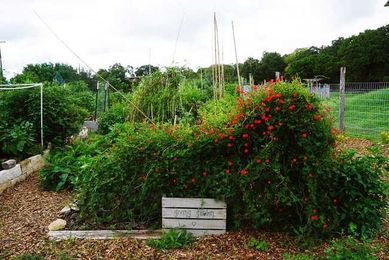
[350,248]
[29,257]
[260,245]
[384,137]
[174,238]
[17,139]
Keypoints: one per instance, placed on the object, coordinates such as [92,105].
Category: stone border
[10,177]
[103,234]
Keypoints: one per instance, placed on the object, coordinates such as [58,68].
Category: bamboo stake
[236,54]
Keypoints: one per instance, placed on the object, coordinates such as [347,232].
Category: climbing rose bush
[269,162]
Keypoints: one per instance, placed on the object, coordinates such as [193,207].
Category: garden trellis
[9,87]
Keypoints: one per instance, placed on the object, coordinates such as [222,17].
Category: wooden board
[198,216]
[193,203]
[103,234]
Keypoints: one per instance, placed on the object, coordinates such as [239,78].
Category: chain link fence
[366,108]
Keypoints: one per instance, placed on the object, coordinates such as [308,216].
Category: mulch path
[26,211]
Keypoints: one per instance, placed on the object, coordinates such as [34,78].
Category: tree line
[365,55]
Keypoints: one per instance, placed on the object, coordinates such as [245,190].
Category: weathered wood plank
[103,234]
[194,223]
[204,232]
[192,203]
[194,213]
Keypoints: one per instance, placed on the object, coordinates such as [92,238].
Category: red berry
[229,145]
[193,180]
[314,218]
[221,135]
[227,171]
[267,161]
[230,163]
[259,161]
[245,136]
[292,107]
[304,135]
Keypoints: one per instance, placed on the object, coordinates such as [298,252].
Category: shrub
[260,245]
[18,139]
[64,164]
[64,109]
[272,162]
[174,238]
[350,248]
[116,114]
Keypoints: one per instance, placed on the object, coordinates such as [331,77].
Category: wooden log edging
[10,177]
[103,234]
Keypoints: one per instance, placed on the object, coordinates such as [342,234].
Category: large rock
[58,224]
[8,164]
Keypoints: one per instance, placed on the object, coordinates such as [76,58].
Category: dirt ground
[26,211]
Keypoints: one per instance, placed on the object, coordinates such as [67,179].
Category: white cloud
[106,32]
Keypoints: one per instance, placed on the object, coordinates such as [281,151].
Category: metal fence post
[342,86]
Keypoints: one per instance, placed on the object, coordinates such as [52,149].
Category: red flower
[227,171]
[310,175]
[193,180]
[270,127]
[257,121]
[277,108]
[205,174]
[229,145]
[246,151]
[316,117]
[245,136]
[294,160]
[325,225]
[221,135]
[267,161]
[308,106]
[215,140]
[259,161]
[335,201]
[174,181]
[268,181]
[230,163]
[295,94]
[231,137]
[280,123]
[278,95]
[246,144]
[314,218]
[305,157]
[292,107]
[267,109]
[281,101]
[243,172]
[175,159]
[304,135]
[314,210]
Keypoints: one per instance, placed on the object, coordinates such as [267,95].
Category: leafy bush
[350,248]
[272,161]
[64,164]
[64,109]
[116,114]
[163,96]
[260,245]
[174,238]
[18,139]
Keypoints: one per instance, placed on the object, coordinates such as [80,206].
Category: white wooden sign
[198,216]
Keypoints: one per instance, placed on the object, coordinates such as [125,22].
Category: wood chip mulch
[26,211]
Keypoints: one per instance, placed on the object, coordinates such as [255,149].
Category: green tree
[118,76]
[269,64]
[145,70]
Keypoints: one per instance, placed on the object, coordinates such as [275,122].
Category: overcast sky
[105,32]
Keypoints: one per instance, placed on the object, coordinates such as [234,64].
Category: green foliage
[350,248]
[271,158]
[145,70]
[29,257]
[260,245]
[17,140]
[47,72]
[165,97]
[174,238]
[64,110]
[117,76]
[384,137]
[116,114]
[64,164]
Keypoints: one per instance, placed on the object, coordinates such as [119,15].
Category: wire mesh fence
[366,108]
